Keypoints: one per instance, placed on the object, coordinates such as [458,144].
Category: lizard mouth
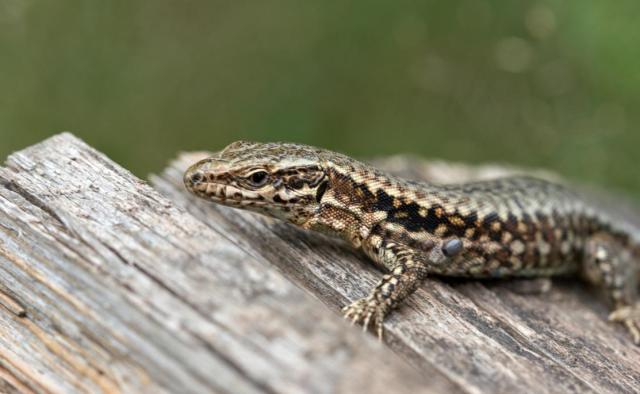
[197,182]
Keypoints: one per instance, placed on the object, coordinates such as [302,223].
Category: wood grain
[106,286]
[482,336]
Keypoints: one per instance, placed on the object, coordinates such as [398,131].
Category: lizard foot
[629,316]
[367,310]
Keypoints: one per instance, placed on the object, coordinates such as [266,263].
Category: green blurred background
[554,84]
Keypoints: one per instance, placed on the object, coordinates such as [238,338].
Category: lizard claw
[367,320]
[366,311]
[629,316]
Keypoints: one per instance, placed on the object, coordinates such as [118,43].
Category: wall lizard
[517,226]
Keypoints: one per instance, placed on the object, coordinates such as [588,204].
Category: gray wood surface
[483,336]
[107,287]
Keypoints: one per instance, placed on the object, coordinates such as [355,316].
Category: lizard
[508,227]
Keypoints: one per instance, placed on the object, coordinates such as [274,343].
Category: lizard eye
[258,178]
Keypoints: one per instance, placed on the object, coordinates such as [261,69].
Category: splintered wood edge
[484,337]
[106,286]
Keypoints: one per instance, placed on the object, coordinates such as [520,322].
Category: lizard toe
[367,311]
[628,315]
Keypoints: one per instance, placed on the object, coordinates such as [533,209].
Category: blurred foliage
[540,83]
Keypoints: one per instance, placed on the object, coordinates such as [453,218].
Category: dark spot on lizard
[321,190]
[296,184]
[490,218]
[470,219]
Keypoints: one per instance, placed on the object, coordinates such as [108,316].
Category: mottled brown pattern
[518,226]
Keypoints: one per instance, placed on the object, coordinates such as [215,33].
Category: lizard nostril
[196,178]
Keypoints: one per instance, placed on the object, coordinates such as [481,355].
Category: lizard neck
[358,198]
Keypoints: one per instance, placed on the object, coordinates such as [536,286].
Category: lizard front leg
[611,266]
[407,269]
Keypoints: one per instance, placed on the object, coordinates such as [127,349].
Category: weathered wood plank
[107,286]
[483,336]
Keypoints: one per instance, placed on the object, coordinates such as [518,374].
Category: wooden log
[483,336]
[107,287]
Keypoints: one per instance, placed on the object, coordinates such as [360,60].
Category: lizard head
[285,181]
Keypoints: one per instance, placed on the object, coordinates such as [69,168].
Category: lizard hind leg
[612,267]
